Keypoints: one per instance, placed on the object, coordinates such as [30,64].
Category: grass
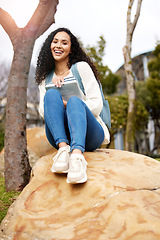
[6,199]
[158,159]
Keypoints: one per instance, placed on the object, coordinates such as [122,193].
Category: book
[68,89]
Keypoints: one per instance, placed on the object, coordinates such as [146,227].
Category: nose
[58,44]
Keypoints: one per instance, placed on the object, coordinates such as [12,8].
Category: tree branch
[133,24]
[42,18]
[8,24]
[137,14]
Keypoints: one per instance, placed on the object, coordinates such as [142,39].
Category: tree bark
[130,131]
[17,167]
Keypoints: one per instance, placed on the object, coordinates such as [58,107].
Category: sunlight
[21,11]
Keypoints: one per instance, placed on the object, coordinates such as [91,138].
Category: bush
[119,110]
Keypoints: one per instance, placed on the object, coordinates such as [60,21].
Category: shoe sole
[83,180]
[54,171]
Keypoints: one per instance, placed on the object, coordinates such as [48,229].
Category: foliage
[118,107]
[6,199]
[153,85]
[119,110]
[108,79]
[141,117]
[149,92]
[109,83]
[142,92]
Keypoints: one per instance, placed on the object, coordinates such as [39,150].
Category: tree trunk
[17,167]
[130,130]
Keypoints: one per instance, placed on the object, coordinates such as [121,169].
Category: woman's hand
[65,103]
[58,81]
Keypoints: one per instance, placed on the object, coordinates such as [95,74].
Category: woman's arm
[93,94]
[42,92]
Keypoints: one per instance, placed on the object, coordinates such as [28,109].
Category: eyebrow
[63,40]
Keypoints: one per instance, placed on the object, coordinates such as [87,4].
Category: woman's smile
[58,52]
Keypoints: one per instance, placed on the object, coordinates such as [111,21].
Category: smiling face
[61,46]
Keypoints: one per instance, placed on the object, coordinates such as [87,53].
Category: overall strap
[105,113]
[77,76]
[49,77]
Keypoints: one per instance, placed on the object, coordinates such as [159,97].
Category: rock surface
[37,145]
[120,201]
[37,142]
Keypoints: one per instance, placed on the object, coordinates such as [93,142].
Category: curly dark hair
[45,62]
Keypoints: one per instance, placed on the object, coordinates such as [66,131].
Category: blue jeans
[75,125]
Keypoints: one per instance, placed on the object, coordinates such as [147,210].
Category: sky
[88,20]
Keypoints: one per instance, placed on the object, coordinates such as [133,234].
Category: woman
[72,126]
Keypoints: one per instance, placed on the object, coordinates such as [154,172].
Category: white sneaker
[61,160]
[77,169]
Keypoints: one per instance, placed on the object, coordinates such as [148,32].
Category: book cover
[68,89]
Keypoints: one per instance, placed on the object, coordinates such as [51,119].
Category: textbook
[69,88]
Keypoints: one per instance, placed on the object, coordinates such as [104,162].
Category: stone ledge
[119,201]
[37,146]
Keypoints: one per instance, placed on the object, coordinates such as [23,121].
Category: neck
[61,68]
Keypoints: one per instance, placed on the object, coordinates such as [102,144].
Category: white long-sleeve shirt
[92,97]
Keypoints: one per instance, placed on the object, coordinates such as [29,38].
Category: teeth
[58,52]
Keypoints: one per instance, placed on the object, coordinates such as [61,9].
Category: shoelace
[75,164]
[58,154]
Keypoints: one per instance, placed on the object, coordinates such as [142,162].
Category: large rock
[120,201]
[37,145]
[37,142]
